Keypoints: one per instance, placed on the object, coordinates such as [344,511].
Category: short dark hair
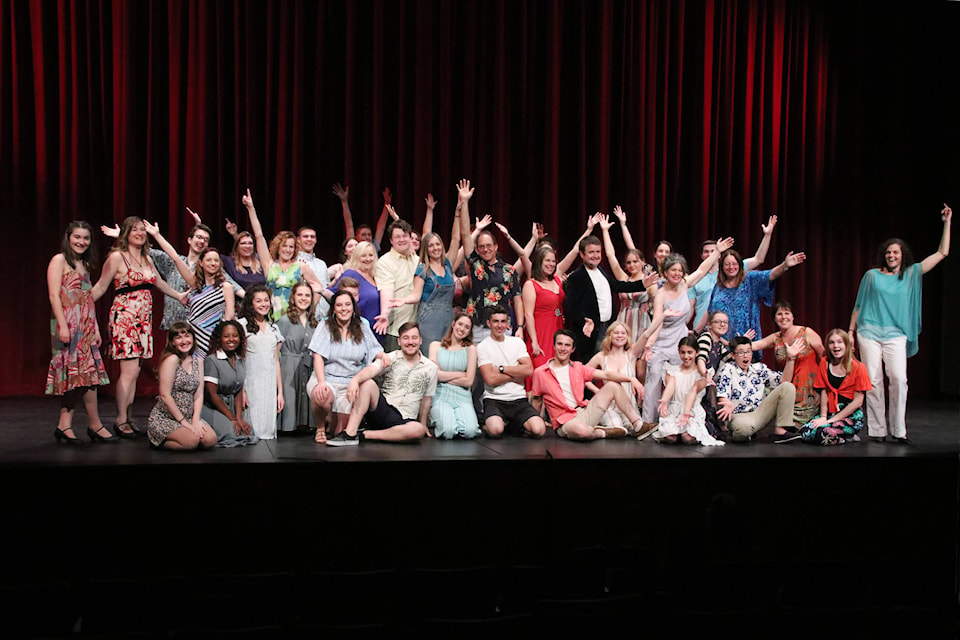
[399,224]
[739,340]
[564,332]
[781,304]
[586,242]
[347,281]
[406,326]
[200,227]
[688,341]
[497,310]
[707,243]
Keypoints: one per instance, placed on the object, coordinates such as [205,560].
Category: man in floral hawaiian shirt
[492,283]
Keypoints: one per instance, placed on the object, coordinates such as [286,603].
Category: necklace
[137,263]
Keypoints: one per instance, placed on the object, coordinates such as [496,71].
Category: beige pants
[778,404]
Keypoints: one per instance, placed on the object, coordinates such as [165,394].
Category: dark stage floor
[486,536]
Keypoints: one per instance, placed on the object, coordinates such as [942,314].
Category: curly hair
[246,309]
[216,339]
[278,241]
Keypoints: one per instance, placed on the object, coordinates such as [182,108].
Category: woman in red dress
[542,304]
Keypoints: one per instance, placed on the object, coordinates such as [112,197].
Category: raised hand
[771,223]
[387,196]
[750,333]
[196,216]
[793,259]
[946,213]
[341,192]
[431,202]
[723,244]
[540,233]
[247,200]
[795,348]
[503,230]
[464,190]
[392,211]
[110,232]
[152,229]
[591,222]
[621,216]
[231,228]
[604,221]
[484,222]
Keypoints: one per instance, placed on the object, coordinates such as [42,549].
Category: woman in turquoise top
[452,411]
[279,263]
[887,318]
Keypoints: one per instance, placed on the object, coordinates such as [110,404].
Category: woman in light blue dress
[452,411]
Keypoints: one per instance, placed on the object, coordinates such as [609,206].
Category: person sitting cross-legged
[561,382]
[397,410]
[504,363]
[741,385]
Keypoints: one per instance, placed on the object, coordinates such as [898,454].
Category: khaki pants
[777,405]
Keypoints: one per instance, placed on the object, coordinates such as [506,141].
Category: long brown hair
[200,276]
[89,257]
[448,336]
[741,274]
[176,329]
[123,240]
[294,314]
[354,327]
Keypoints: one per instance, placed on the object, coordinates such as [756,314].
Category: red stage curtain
[699,118]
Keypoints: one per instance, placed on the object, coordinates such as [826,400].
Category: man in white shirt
[395,279]
[504,363]
[306,242]
[397,410]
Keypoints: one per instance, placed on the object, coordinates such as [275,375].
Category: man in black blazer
[591,302]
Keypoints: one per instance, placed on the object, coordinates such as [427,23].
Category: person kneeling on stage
[741,385]
[560,382]
[397,410]
[504,363]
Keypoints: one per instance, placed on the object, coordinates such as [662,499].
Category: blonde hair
[847,361]
[607,343]
[254,260]
[354,261]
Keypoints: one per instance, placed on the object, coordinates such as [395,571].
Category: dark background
[699,118]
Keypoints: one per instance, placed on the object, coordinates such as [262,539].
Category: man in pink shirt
[560,383]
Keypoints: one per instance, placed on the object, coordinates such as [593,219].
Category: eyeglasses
[721,322]
[742,352]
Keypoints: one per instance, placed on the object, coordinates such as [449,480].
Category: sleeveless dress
[452,411]
[281,283]
[131,315]
[664,352]
[613,417]
[161,422]
[634,314]
[696,426]
[547,319]
[76,364]
[436,304]
[206,310]
[296,367]
[806,407]
[261,380]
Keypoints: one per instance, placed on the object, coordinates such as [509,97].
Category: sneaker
[646,429]
[343,440]
[789,436]
[613,432]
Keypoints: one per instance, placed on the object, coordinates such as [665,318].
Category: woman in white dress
[263,385]
[681,412]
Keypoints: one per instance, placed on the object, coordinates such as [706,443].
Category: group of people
[450,341]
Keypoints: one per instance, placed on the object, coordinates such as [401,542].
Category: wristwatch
[501,368]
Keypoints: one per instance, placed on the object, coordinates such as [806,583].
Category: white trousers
[892,355]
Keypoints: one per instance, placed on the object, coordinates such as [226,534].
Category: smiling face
[549,264]
[307,240]
[719,325]
[414,242]
[348,248]
[663,250]
[211,263]
[138,234]
[79,240]
[199,241]
[837,347]
[261,304]
[591,256]
[674,274]
[343,307]
[230,339]
[368,257]
[287,250]
[707,250]
[562,348]
[487,248]
[245,247]
[632,264]
[687,356]
[893,258]
[783,318]
[183,343]
[498,323]
[462,328]
[731,267]
[364,235]
[410,341]
[618,336]
[302,297]
[400,240]
[435,248]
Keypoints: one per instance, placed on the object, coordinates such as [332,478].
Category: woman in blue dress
[452,411]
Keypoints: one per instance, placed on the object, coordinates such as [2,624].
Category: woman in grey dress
[296,360]
[223,376]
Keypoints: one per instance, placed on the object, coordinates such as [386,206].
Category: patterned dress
[206,310]
[634,314]
[131,316]
[281,282]
[807,405]
[452,411]
[261,380]
[161,422]
[742,304]
[76,364]
[547,319]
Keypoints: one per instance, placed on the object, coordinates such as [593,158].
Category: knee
[535,426]
[493,428]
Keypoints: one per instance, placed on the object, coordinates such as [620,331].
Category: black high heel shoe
[126,435]
[60,435]
[96,437]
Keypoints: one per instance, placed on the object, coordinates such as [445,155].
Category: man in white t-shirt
[504,363]
[397,410]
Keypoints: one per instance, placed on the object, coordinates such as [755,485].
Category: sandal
[320,437]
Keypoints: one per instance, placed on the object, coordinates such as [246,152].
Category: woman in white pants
[886,317]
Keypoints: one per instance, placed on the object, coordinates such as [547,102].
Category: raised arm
[384,214]
[263,251]
[454,255]
[524,260]
[564,265]
[622,217]
[792,260]
[428,215]
[186,272]
[344,193]
[761,254]
[615,268]
[944,249]
[722,245]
